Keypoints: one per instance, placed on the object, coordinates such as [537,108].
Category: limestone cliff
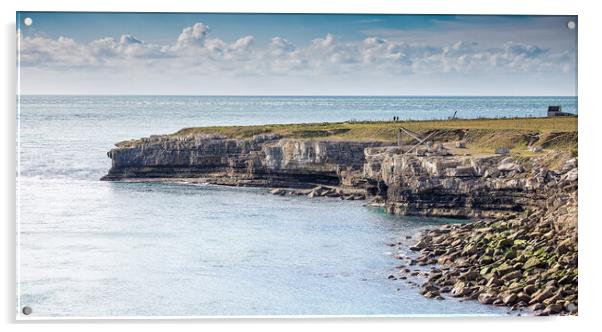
[264,160]
[453,186]
[429,181]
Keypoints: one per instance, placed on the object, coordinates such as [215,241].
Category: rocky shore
[323,191]
[528,261]
[520,250]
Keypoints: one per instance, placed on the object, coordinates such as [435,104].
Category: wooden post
[420,142]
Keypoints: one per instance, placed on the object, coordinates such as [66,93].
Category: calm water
[91,248]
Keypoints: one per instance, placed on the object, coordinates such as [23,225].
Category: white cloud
[103,48]
[195,52]
[324,43]
[381,52]
[281,47]
[331,56]
[193,36]
[243,44]
[46,52]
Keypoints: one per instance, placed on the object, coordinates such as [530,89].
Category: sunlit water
[91,248]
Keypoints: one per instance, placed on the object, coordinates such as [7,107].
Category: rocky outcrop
[423,181]
[451,186]
[529,260]
[264,160]
[323,191]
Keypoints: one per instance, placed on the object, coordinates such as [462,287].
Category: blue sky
[159,28]
[271,54]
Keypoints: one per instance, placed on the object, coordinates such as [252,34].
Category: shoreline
[518,251]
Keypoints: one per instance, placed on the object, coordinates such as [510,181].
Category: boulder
[570,176]
[493,281]
[543,294]
[564,246]
[460,291]
[470,249]
[538,306]
[532,263]
[486,298]
[553,309]
[426,288]
[530,289]
[569,164]
[469,275]
[571,307]
[523,297]
[512,275]
[278,191]
[504,269]
[509,299]
[510,167]
[502,151]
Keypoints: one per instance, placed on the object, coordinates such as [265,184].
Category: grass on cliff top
[387,130]
[481,135]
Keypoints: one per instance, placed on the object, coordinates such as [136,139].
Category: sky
[295,54]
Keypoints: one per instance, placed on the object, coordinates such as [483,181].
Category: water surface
[91,248]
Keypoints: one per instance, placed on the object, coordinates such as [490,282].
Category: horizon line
[282,95]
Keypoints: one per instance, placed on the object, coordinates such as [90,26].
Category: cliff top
[480,135]
[384,130]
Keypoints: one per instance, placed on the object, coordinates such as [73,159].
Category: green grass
[385,131]
[482,135]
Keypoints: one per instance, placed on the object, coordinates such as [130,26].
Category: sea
[89,248]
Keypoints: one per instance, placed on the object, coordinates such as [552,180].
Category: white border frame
[589,74]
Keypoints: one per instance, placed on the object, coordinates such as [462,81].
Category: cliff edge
[518,185]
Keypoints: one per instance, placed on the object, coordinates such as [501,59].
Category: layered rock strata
[264,160]
[427,181]
[452,186]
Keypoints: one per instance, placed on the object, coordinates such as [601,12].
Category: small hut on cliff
[554,111]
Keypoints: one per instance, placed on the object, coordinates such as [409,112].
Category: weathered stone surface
[553,309]
[264,160]
[543,294]
[432,184]
[487,298]
[532,262]
[509,299]
[450,186]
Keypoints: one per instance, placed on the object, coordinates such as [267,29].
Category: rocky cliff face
[452,186]
[428,182]
[264,160]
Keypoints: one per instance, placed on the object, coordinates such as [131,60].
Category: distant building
[557,111]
